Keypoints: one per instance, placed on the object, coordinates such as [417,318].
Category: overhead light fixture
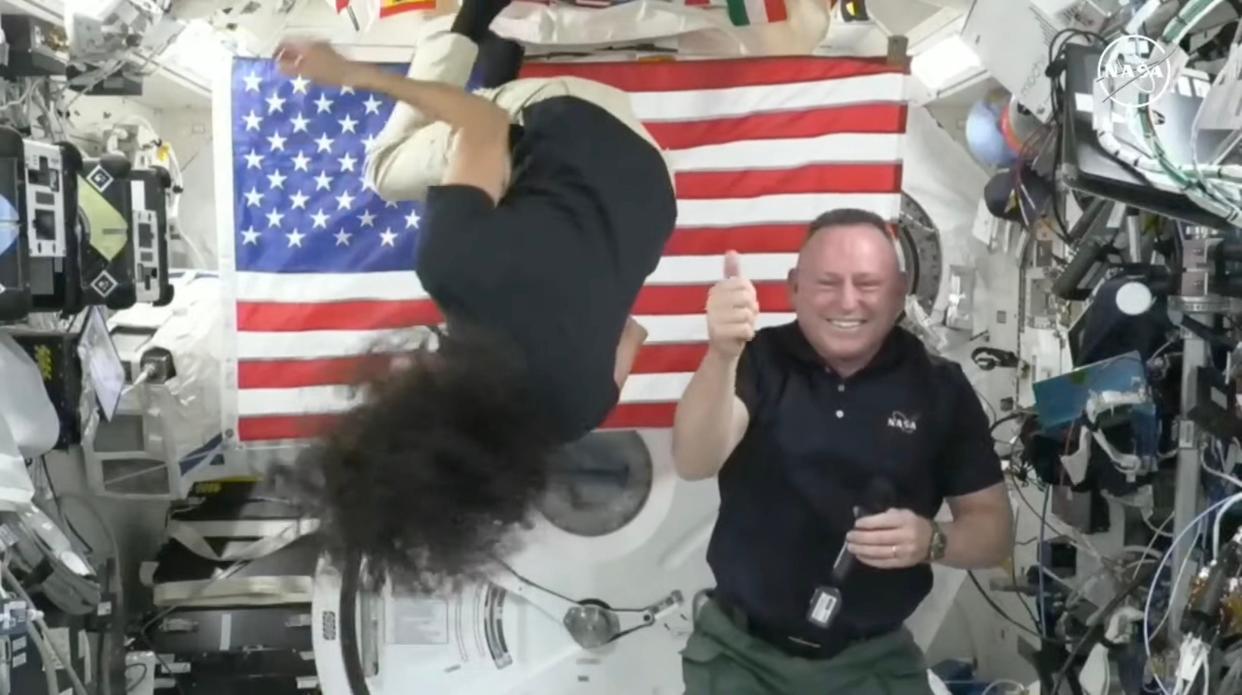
[942,63]
[198,49]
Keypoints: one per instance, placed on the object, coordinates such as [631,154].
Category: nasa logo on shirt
[900,421]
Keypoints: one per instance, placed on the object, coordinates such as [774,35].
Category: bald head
[851,217]
[848,288]
[864,239]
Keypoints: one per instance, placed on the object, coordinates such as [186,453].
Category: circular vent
[598,484]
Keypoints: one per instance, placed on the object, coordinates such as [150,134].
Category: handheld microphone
[1203,612]
[878,497]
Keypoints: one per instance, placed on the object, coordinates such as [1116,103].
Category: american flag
[322,267]
[741,12]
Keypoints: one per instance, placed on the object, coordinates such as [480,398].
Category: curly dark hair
[430,475]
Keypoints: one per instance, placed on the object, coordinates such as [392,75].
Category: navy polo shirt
[814,442]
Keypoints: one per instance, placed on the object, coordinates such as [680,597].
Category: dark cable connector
[1203,612]
[159,363]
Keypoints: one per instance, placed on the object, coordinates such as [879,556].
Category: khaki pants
[721,659]
[411,153]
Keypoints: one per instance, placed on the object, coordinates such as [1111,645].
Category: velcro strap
[273,535]
[249,591]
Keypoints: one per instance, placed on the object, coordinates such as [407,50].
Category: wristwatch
[939,543]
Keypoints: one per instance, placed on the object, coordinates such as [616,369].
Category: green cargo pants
[721,659]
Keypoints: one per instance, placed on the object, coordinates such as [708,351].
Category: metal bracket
[592,626]
[1186,433]
[898,51]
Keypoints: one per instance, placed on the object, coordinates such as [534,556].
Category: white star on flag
[252,82]
[325,143]
[344,200]
[300,84]
[254,198]
[254,160]
[295,238]
[277,141]
[347,162]
[348,124]
[274,218]
[342,238]
[300,123]
[411,220]
[373,105]
[275,103]
[388,238]
[277,179]
[323,182]
[320,220]
[301,162]
[251,236]
[368,220]
[253,120]
[324,104]
[299,200]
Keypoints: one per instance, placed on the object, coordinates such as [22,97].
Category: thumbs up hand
[732,310]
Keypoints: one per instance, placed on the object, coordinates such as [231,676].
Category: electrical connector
[158,363]
[14,617]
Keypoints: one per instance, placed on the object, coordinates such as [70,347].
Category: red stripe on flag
[715,73]
[284,427]
[641,415]
[655,300]
[280,427]
[777,12]
[817,178]
[668,300]
[292,374]
[709,241]
[338,371]
[335,316]
[870,118]
[663,359]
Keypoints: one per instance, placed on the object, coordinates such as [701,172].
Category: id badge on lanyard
[826,599]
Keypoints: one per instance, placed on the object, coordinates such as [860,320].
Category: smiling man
[802,423]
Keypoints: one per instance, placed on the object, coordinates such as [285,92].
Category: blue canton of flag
[302,203]
[323,267]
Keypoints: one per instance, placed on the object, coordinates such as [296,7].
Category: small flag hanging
[855,11]
[741,12]
[746,12]
[389,8]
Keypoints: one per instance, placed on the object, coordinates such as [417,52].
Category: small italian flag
[746,12]
[388,8]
